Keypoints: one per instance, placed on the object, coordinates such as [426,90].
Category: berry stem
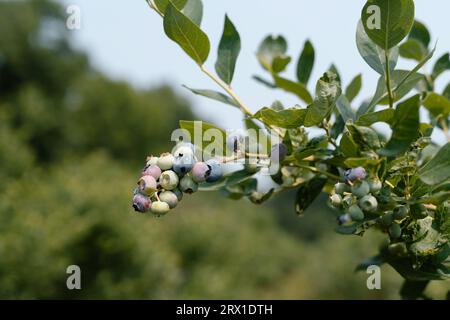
[316,170]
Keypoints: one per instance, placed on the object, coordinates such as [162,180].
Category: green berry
[170,198]
[368,203]
[165,161]
[387,219]
[348,201]
[356,213]
[188,185]
[395,231]
[360,189]
[400,212]
[419,211]
[169,180]
[340,188]
[159,208]
[336,200]
[375,185]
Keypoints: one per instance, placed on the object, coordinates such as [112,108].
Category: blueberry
[183,164]
[278,152]
[165,161]
[184,149]
[360,189]
[344,218]
[169,180]
[387,219]
[375,185]
[188,185]
[178,193]
[340,188]
[336,200]
[153,171]
[395,231]
[141,203]
[215,171]
[200,172]
[356,213]
[400,212]
[159,208]
[368,203]
[358,173]
[419,211]
[170,198]
[348,201]
[151,161]
[251,167]
[147,185]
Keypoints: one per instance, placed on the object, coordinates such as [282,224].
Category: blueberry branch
[316,170]
[388,80]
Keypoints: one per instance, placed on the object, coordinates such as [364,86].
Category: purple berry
[215,171]
[147,185]
[153,171]
[141,203]
[358,173]
[200,172]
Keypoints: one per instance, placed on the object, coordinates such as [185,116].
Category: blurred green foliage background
[72,142]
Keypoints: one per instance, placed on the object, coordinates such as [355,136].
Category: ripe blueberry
[170,198]
[153,171]
[159,208]
[215,171]
[360,189]
[358,173]
[169,180]
[200,172]
[368,203]
[165,161]
[147,185]
[356,213]
[188,185]
[183,164]
[141,203]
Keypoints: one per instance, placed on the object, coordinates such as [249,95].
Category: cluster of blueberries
[164,179]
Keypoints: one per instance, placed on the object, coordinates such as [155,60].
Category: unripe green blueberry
[398,249]
[419,211]
[360,189]
[153,171]
[375,185]
[151,161]
[170,198]
[159,208]
[178,193]
[387,219]
[368,203]
[169,180]
[200,172]
[188,185]
[395,231]
[340,188]
[336,200]
[147,185]
[356,213]
[400,212]
[165,161]
[141,203]
[348,201]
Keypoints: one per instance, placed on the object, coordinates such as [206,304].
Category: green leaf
[264,82]
[365,137]
[307,192]
[211,94]
[437,169]
[446,92]
[344,108]
[194,11]
[354,88]
[437,105]
[328,90]
[269,49]
[305,63]
[197,130]
[347,146]
[229,48]
[420,33]
[442,65]
[279,64]
[430,239]
[296,88]
[186,34]
[162,4]
[395,19]
[360,162]
[405,127]
[288,118]
[413,49]
[368,119]
[373,55]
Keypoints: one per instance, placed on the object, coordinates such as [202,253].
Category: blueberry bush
[398,185]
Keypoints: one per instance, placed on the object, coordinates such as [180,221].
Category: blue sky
[125,39]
